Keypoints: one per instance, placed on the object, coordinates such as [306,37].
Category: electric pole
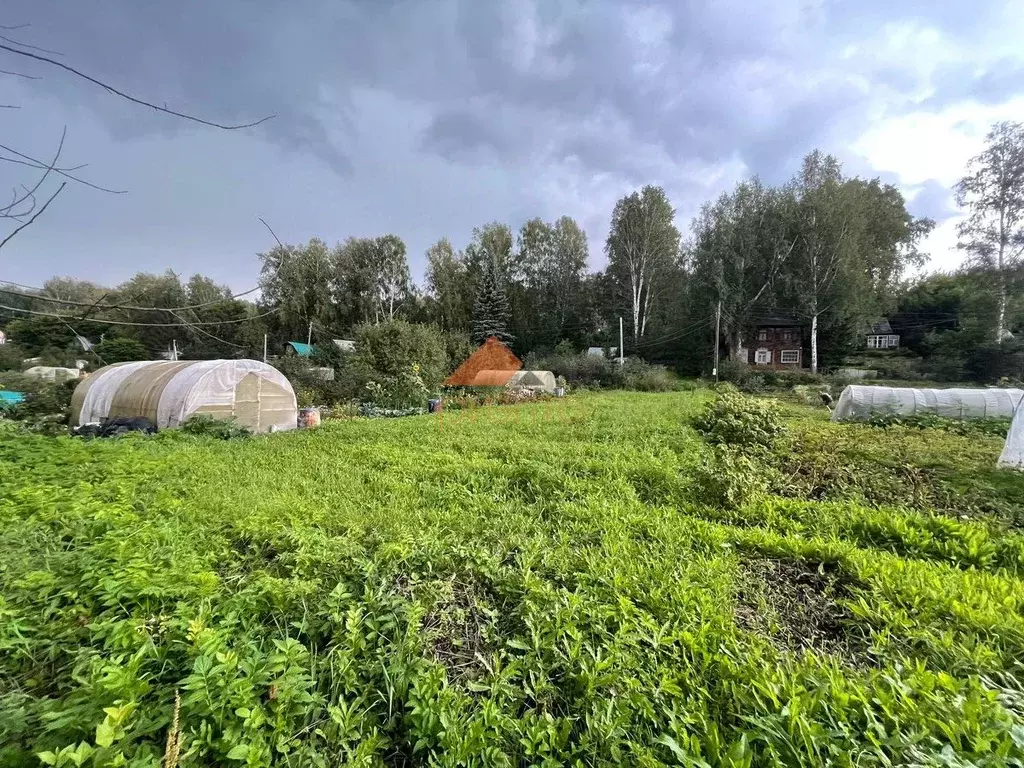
[264,348]
[718,330]
[309,336]
[622,359]
[174,350]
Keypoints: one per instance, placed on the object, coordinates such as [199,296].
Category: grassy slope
[535,584]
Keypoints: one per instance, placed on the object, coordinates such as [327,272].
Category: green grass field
[533,585]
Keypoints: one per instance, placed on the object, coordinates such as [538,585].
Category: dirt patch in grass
[794,604]
[460,630]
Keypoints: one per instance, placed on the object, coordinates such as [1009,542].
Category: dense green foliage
[735,420]
[537,584]
[402,363]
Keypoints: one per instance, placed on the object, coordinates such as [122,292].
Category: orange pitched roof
[491,356]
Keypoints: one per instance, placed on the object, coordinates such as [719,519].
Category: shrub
[643,377]
[728,479]
[208,426]
[11,356]
[579,369]
[44,400]
[399,357]
[406,389]
[736,420]
[122,350]
[312,388]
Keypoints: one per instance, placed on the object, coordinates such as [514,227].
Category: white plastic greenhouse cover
[257,395]
[861,403]
[1013,452]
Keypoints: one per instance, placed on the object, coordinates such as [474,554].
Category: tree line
[831,249]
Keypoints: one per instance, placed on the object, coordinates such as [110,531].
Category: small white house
[881,336]
[599,352]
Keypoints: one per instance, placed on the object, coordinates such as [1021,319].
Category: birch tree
[391,273]
[822,239]
[992,192]
[739,243]
[642,246]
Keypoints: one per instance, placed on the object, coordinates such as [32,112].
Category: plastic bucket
[309,418]
[435,406]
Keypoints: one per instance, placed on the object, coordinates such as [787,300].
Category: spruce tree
[491,310]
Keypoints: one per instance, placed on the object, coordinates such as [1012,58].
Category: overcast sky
[426,118]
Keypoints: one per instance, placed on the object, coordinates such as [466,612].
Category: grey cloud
[418,115]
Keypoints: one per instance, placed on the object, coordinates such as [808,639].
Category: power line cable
[140,325]
[92,305]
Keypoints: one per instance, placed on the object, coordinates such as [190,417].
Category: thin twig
[10,106]
[33,47]
[34,163]
[30,193]
[36,216]
[133,99]
[19,74]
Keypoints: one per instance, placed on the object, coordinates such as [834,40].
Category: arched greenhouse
[256,395]
[863,403]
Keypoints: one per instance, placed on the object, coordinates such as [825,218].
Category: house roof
[491,356]
[777,321]
[302,350]
[881,328]
[492,378]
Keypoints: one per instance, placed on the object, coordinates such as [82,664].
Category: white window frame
[794,352]
[884,341]
[763,357]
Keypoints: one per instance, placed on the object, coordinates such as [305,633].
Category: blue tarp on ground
[10,399]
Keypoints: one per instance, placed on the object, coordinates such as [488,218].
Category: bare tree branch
[29,195]
[128,97]
[9,106]
[33,47]
[65,172]
[34,217]
[19,74]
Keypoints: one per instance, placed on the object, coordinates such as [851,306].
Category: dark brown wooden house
[776,343]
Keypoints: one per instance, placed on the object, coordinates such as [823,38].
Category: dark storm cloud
[452,112]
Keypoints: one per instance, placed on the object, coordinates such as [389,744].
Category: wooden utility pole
[264,348]
[174,350]
[309,336]
[718,330]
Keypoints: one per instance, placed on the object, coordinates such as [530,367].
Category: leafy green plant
[580,581]
[208,426]
[732,419]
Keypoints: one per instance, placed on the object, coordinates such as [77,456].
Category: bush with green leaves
[11,356]
[120,350]
[641,376]
[578,369]
[396,357]
[204,425]
[742,421]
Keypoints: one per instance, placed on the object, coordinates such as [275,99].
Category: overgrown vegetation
[538,584]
